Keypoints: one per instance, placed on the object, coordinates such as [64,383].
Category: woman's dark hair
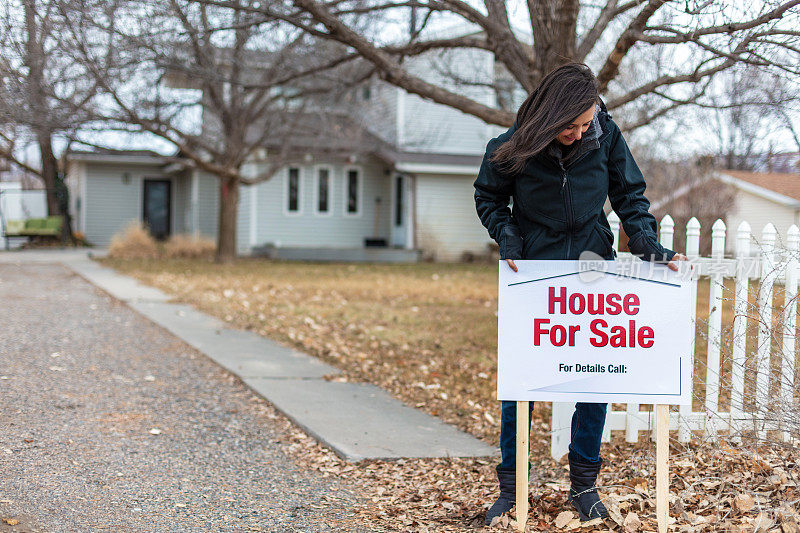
[562,95]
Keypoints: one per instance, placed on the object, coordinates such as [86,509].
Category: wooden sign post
[662,466]
[522,464]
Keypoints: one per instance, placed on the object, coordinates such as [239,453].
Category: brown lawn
[427,333]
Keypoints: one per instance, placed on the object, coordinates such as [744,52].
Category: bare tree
[42,94]
[258,82]
[751,106]
[712,35]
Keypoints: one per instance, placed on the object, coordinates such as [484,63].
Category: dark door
[156,212]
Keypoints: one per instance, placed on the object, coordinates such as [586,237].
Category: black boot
[507,477]
[583,492]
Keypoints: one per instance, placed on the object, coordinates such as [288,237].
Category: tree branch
[625,42]
[589,41]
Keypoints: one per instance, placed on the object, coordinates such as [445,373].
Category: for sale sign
[595,331]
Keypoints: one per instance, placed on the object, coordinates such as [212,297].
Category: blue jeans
[587,430]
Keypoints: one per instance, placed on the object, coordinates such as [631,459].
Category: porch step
[344,255]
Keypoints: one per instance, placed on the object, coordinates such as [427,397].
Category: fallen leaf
[564,518]
[632,523]
[743,502]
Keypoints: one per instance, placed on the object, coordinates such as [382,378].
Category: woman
[558,162]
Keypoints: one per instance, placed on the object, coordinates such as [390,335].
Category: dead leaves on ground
[405,333]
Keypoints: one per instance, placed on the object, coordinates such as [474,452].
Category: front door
[399,208]
[156,210]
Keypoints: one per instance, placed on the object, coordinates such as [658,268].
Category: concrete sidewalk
[357,420]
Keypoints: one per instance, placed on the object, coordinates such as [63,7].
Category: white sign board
[595,331]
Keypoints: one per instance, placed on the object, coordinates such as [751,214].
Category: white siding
[757,212]
[110,204]
[447,223]
[208,204]
[308,228]
[180,206]
[431,127]
[380,111]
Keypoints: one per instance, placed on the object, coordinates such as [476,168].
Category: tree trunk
[49,170]
[34,59]
[228,208]
[554,26]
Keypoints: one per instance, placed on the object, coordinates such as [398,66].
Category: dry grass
[189,247]
[427,333]
[134,242]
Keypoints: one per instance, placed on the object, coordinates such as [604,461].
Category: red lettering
[646,337]
[572,330]
[631,300]
[576,303]
[598,309]
[561,299]
[614,307]
[558,335]
[538,330]
[618,337]
[602,339]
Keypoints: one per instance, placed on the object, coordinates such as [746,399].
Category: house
[394,184]
[758,198]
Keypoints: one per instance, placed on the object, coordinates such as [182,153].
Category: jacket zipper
[568,199]
[567,207]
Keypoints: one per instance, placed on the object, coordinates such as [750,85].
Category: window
[353,197]
[293,190]
[323,190]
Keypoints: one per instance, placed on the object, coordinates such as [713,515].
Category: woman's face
[578,127]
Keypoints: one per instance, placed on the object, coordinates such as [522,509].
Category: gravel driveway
[108,423]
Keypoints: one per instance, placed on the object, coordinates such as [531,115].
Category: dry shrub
[189,247]
[133,242]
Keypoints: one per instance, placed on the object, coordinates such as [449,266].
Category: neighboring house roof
[325,132]
[783,188]
[338,132]
[780,187]
[434,163]
[108,155]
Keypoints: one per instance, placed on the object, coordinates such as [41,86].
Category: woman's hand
[512,265]
[673,265]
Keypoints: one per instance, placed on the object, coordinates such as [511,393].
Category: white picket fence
[770,265]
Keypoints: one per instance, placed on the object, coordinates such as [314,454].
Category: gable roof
[782,188]
[109,155]
[784,184]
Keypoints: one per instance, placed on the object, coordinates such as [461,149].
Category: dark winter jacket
[558,203]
